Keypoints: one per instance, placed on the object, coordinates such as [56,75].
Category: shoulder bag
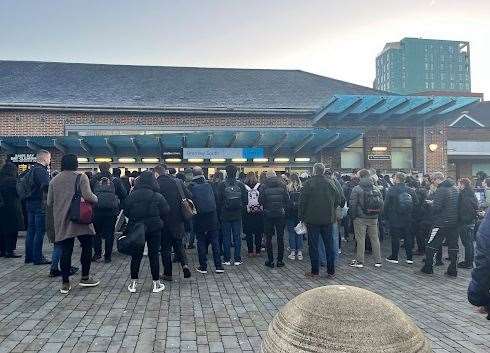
[80,211]
[187,206]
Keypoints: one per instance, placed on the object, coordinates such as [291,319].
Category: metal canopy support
[365,114]
[386,115]
[347,110]
[233,140]
[59,146]
[303,143]
[328,142]
[349,141]
[161,145]
[434,112]
[33,146]
[85,146]
[110,146]
[209,140]
[184,141]
[323,111]
[414,110]
[136,146]
[279,144]
[258,140]
[7,147]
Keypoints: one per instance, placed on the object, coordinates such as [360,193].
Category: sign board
[379,157]
[23,158]
[226,153]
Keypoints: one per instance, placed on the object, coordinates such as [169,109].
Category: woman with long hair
[253,224]
[295,240]
[468,213]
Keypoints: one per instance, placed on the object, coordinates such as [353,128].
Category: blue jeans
[295,240]
[232,229]
[36,227]
[203,241]
[56,257]
[325,233]
[335,250]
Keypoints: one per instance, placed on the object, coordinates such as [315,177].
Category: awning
[362,110]
[275,141]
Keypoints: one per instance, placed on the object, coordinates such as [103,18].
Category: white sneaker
[300,255]
[410,262]
[392,260]
[200,270]
[356,264]
[292,256]
[238,263]
[132,287]
[227,263]
[158,286]
[377,265]
[219,270]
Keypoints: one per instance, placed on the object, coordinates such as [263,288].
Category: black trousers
[85,257]
[8,242]
[396,234]
[467,235]
[422,235]
[274,226]
[153,242]
[171,236]
[104,223]
[434,245]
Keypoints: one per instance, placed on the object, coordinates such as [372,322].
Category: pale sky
[335,38]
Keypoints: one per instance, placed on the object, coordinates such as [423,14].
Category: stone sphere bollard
[343,319]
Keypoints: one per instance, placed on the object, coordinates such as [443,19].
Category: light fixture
[281,160]
[126,160]
[433,147]
[302,159]
[82,160]
[195,160]
[261,160]
[173,160]
[239,160]
[217,160]
[103,160]
[150,160]
[379,149]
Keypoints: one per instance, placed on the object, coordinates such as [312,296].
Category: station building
[137,116]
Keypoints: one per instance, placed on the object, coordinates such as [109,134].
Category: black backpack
[405,204]
[232,197]
[25,185]
[105,190]
[203,197]
[373,202]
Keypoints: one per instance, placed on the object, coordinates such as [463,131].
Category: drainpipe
[424,148]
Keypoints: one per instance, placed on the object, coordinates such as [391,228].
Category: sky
[335,38]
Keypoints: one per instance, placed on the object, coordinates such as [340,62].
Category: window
[352,157]
[401,153]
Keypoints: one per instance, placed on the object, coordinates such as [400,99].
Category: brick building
[282,119]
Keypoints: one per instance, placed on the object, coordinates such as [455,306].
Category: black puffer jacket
[146,204]
[445,205]
[11,218]
[468,207]
[274,197]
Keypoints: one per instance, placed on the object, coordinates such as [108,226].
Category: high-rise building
[415,65]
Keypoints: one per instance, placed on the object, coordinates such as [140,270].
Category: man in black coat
[173,228]
[444,209]
[400,204]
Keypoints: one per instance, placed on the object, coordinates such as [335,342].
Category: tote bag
[80,211]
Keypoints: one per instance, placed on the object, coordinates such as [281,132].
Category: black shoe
[427,271]
[43,261]
[166,278]
[280,264]
[12,255]
[2,254]
[96,258]
[73,270]
[107,260]
[175,260]
[439,263]
[451,273]
[269,264]
[54,273]
[187,272]
[464,264]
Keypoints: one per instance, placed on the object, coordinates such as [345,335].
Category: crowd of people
[171,210]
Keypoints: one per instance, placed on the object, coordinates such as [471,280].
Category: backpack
[232,197]
[203,197]
[105,191]
[25,185]
[253,205]
[373,202]
[405,204]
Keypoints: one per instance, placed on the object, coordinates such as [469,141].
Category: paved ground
[210,313]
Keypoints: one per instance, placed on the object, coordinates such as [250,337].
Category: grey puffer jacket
[357,198]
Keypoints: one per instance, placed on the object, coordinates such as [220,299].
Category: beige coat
[60,193]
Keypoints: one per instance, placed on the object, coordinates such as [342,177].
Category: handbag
[187,206]
[80,211]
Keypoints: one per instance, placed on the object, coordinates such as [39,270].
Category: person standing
[11,218]
[60,195]
[111,194]
[206,221]
[215,184]
[233,198]
[274,198]
[146,205]
[444,209]
[319,199]
[173,228]
[366,203]
[253,218]
[467,216]
[400,204]
[295,239]
[37,182]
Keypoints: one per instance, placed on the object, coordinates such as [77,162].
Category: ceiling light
[103,160]
[302,159]
[217,160]
[281,160]
[261,160]
[150,160]
[82,160]
[195,160]
[126,160]
[239,160]
[379,149]
[173,160]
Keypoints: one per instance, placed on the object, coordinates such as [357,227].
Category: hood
[366,182]
[447,183]
[146,180]
[274,182]
[199,179]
